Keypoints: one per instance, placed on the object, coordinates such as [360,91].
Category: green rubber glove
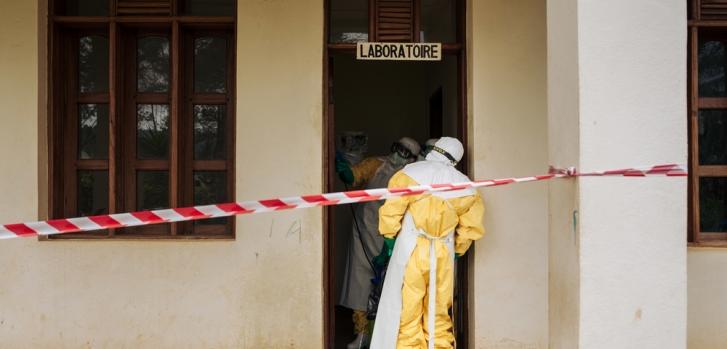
[344,171]
[381,259]
[389,246]
[457,256]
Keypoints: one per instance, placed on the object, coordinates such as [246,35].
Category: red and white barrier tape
[131,219]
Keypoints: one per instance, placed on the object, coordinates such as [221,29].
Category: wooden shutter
[713,9]
[143,7]
[394,20]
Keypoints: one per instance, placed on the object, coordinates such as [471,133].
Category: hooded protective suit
[430,229]
[366,242]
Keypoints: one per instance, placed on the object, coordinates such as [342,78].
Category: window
[708,121]
[352,21]
[142,112]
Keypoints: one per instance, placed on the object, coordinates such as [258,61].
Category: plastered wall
[508,137]
[617,98]
[563,151]
[707,282]
[632,103]
[262,290]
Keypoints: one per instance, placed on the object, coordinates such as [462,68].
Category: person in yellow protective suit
[366,242]
[430,231]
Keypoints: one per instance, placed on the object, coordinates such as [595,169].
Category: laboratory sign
[399,51]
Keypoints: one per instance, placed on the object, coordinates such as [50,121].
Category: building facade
[570,263]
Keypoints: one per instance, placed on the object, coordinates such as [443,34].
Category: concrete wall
[633,95]
[563,151]
[631,90]
[508,137]
[225,294]
[707,314]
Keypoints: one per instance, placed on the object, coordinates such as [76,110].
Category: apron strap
[433,281]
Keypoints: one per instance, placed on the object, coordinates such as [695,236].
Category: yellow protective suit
[436,217]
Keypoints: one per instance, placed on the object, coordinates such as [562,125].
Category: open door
[387,100]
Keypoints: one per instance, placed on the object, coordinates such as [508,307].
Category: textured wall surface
[224,294]
[707,317]
[632,71]
[563,151]
[508,137]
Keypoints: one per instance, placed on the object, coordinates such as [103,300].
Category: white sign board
[399,51]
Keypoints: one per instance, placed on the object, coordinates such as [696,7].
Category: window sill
[708,244]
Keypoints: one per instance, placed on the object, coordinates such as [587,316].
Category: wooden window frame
[447,47]
[121,29]
[698,27]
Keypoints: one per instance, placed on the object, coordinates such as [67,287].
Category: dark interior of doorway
[385,101]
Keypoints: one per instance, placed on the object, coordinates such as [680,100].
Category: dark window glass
[152,190]
[93,64]
[712,62]
[93,131]
[713,137]
[93,193]
[209,7]
[209,132]
[349,21]
[210,65]
[152,131]
[439,21]
[713,204]
[152,58]
[86,8]
[210,187]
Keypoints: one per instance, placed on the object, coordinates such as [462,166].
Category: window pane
[152,131]
[93,131]
[209,132]
[210,65]
[93,64]
[349,21]
[152,58]
[93,193]
[712,62]
[713,137]
[152,190]
[209,7]
[86,8]
[713,204]
[439,21]
[210,187]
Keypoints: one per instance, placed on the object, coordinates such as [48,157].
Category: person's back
[437,214]
[430,230]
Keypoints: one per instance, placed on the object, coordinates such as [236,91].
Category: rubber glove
[457,256]
[344,171]
[381,259]
[389,246]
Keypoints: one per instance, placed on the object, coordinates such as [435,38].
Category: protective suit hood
[447,146]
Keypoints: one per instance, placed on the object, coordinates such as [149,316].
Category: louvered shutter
[143,7]
[713,9]
[394,20]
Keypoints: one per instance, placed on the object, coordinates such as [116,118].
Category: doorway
[384,101]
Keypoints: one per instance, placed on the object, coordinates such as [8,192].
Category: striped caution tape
[132,219]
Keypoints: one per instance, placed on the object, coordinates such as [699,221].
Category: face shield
[353,146]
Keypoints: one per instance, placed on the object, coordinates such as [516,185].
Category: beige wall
[231,294]
[628,93]
[508,137]
[563,151]
[707,280]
